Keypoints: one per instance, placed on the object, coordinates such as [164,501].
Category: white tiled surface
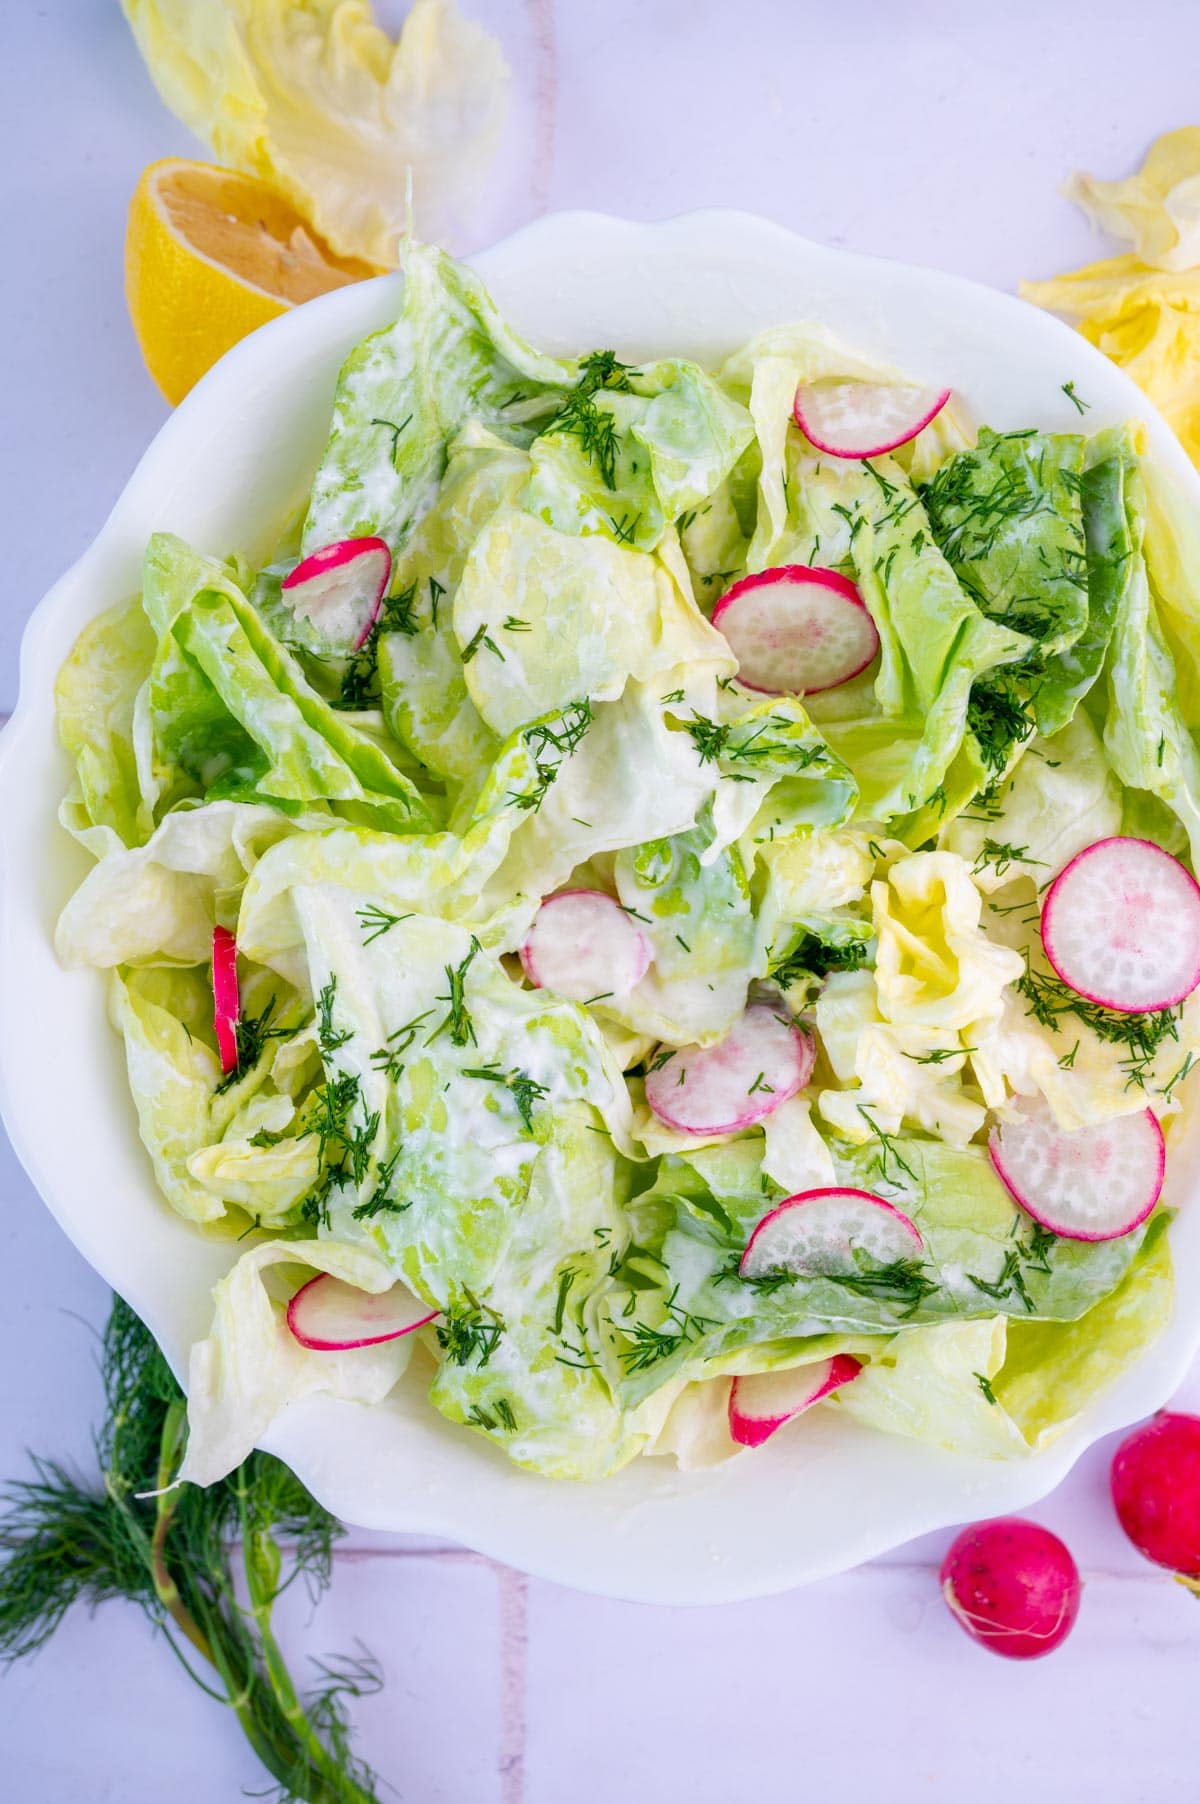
[936,132]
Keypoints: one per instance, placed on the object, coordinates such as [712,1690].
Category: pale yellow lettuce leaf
[312,96]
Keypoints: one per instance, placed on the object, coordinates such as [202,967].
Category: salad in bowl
[665,903]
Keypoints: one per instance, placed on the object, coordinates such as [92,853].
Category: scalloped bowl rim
[822,1496]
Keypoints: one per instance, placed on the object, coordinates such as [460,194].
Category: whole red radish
[1013,1586]
[1156,1490]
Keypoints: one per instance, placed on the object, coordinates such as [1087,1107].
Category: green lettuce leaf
[405,392]
[304,751]
[95,697]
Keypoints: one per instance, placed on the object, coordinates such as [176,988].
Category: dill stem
[165,1588]
[260,1562]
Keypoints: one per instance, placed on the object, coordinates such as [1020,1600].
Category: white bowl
[224,470]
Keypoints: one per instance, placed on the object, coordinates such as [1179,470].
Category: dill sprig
[390,1057]
[457,1020]
[998,714]
[380,1201]
[469,1330]
[378,921]
[996,852]
[1021,1258]
[813,957]
[888,1150]
[252,1033]
[594,427]
[328,1037]
[551,746]
[524,1089]
[714,740]
[399,613]
[173,1554]
[1142,1035]
[645,1346]
[902,1281]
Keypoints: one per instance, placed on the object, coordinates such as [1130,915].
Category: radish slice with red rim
[330,1316]
[796,630]
[226,1001]
[761,1062]
[584,946]
[864,419]
[1121,926]
[762,1402]
[1092,1183]
[340,589]
[826,1231]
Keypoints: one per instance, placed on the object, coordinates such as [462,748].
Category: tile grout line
[514,1667]
[542,23]
[859,1574]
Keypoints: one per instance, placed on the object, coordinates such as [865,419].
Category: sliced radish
[823,1231]
[762,1402]
[583,945]
[340,589]
[796,630]
[864,419]
[760,1063]
[227,1006]
[1121,926]
[329,1315]
[1091,1183]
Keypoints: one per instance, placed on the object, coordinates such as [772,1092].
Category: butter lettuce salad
[667,902]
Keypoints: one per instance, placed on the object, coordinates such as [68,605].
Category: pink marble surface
[928,131]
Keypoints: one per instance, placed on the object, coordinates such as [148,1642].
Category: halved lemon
[210,255]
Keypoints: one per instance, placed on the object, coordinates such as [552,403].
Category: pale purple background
[937,133]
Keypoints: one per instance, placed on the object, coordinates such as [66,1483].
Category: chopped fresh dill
[457,1020]
[940,1055]
[1048,1001]
[380,1201]
[397,432]
[498,1414]
[328,1038]
[887,1150]
[398,613]
[994,852]
[1076,401]
[252,1032]
[378,921]
[389,1058]
[514,624]
[525,1090]
[813,957]
[645,1346]
[593,426]
[985,1386]
[469,1330]
[436,591]
[551,745]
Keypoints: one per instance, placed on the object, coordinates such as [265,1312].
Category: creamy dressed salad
[665,903]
